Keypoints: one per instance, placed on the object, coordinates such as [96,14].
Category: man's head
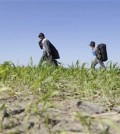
[92,44]
[41,36]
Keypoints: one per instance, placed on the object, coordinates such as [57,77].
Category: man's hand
[48,54]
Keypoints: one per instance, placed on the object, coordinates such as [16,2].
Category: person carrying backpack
[100,54]
[50,53]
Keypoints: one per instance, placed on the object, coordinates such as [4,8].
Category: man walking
[97,55]
[50,53]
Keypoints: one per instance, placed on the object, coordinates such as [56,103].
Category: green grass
[77,80]
[49,83]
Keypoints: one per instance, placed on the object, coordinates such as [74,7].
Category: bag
[54,51]
[102,52]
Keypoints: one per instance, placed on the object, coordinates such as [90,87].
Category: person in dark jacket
[97,59]
[50,53]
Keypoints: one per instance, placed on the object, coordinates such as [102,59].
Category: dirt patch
[26,114]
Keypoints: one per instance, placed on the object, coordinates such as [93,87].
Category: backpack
[102,52]
[54,51]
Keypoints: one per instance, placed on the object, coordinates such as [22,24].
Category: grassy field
[78,80]
[48,84]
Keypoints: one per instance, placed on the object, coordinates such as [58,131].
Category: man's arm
[98,54]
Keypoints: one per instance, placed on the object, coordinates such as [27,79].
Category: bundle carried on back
[54,51]
[102,52]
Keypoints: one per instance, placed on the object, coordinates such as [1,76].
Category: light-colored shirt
[45,46]
[94,51]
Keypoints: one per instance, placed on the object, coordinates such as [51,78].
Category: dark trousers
[49,60]
[97,61]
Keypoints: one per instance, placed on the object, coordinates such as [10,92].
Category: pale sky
[69,24]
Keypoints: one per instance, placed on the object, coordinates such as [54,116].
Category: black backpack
[102,52]
[54,51]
